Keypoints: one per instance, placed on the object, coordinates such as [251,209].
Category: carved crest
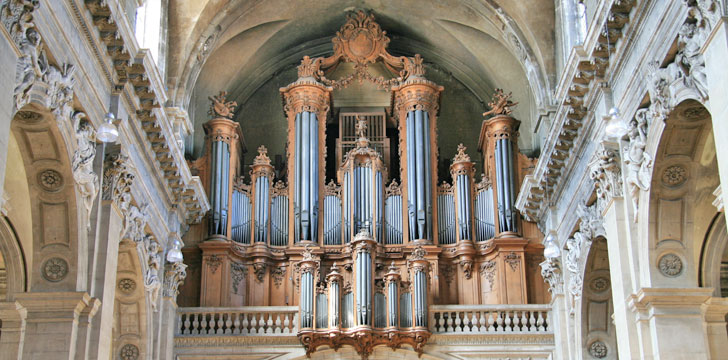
[361,40]
[220,107]
[461,156]
[501,104]
[262,158]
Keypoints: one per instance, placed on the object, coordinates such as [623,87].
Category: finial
[262,158]
[461,156]
[361,127]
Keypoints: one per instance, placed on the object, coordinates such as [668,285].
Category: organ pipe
[223,144]
[416,105]
[462,174]
[498,143]
[262,174]
[306,106]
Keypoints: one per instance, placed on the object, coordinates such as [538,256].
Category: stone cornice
[491,339]
[137,78]
[222,340]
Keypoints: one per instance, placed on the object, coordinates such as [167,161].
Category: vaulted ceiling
[239,45]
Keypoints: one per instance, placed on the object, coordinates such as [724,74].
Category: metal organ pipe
[411,176]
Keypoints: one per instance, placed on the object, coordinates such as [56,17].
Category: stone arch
[131,334]
[13,260]
[598,334]
[713,255]
[56,228]
[678,207]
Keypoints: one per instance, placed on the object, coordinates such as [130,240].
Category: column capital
[417,93]
[306,94]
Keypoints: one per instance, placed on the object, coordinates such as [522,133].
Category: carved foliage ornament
[118,177]
[487,271]
[55,269]
[174,276]
[513,260]
[214,262]
[551,273]
[606,172]
[238,272]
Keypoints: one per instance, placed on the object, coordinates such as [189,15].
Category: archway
[598,332]
[131,331]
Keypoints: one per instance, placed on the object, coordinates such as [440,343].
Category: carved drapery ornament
[606,172]
[174,276]
[82,163]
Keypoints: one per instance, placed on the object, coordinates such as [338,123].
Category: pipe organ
[363,256]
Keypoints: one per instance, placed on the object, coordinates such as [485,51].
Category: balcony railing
[490,319]
[244,320]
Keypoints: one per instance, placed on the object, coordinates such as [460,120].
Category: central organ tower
[364,255]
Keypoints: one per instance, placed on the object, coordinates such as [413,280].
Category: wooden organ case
[362,256]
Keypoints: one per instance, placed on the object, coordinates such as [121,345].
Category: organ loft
[365,223]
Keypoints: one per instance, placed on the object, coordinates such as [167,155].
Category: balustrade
[487,319]
[247,320]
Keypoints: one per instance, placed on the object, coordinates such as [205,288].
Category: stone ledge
[226,340]
[491,339]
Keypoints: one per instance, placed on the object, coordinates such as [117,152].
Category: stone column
[605,170]
[672,322]
[716,50]
[174,275]
[714,312]
[51,329]
[114,218]
[13,316]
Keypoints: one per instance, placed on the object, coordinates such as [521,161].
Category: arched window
[149,29]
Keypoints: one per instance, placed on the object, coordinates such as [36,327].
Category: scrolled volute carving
[551,273]
[606,172]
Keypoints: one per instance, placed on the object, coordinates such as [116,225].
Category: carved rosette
[174,276]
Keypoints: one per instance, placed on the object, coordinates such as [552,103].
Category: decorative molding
[670,265]
[126,285]
[513,260]
[487,271]
[55,269]
[238,273]
[174,276]
[214,262]
[598,349]
[488,339]
[638,162]
[118,177]
[606,172]
[501,104]
[82,163]
[129,352]
[50,180]
[152,283]
[551,273]
[467,266]
[278,272]
[259,269]
[674,175]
